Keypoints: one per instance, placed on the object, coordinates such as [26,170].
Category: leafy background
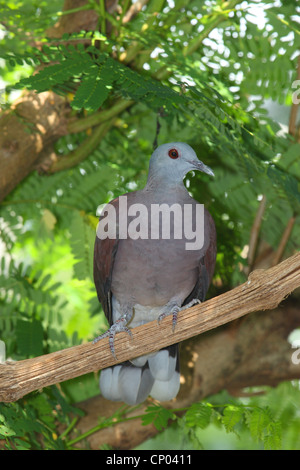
[217,74]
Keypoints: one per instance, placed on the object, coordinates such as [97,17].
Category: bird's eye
[173,153]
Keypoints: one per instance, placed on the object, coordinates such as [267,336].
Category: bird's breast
[151,272]
[158,258]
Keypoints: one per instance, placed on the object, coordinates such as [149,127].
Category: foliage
[257,422]
[205,75]
[32,423]
[47,421]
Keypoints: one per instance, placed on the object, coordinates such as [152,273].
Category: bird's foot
[191,303]
[117,327]
[174,309]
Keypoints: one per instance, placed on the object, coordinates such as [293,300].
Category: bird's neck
[159,182]
[156,188]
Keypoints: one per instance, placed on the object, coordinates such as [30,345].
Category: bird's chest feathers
[161,252]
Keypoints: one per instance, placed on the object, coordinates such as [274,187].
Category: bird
[152,274]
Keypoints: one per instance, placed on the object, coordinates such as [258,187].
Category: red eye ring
[173,153]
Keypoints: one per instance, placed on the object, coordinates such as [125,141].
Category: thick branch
[264,290]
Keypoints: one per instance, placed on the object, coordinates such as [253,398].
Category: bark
[34,123]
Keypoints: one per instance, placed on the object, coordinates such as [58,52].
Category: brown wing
[207,263]
[104,256]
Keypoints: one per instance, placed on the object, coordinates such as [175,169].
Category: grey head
[171,162]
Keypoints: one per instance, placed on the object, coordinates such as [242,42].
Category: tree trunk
[35,121]
[32,125]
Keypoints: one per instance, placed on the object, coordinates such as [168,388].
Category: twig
[284,239]
[158,125]
[264,290]
[84,150]
[82,124]
[255,232]
[134,9]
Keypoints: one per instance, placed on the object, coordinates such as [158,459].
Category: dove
[154,256]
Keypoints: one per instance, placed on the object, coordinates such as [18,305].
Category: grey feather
[135,384]
[109,383]
[164,390]
[162,365]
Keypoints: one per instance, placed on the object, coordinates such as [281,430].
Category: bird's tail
[155,374]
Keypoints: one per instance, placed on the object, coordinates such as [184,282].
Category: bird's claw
[174,310]
[117,327]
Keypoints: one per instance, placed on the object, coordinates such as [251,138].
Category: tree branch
[284,239]
[82,151]
[82,124]
[255,233]
[253,351]
[264,290]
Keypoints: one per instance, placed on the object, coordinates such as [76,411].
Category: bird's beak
[198,165]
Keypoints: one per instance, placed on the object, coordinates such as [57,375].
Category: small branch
[101,121]
[255,232]
[102,17]
[84,150]
[134,9]
[79,125]
[264,290]
[284,239]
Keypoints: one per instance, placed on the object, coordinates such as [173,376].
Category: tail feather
[135,383]
[166,390]
[109,383]
[163,363]
[158,377]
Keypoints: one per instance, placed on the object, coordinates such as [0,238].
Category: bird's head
[171,162]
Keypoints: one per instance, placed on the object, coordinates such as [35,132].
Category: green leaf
[52,75]
[199,414]
[257,421]
[29,337]
[95,87]
[263,427]
[21,444]
[82,244]
[5,431]
[231,416]
[273,439]
[158,415]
